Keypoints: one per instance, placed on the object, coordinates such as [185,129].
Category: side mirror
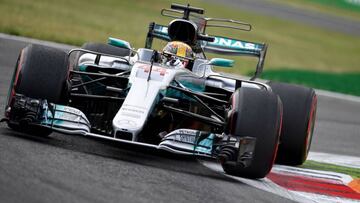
[221,62]
[119,43]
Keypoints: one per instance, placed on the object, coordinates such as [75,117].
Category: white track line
[337,95]
[325,175]
[262,184]
[341,160]
[325,199]
[269,186]
[36,41]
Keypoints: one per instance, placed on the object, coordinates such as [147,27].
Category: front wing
[68,120]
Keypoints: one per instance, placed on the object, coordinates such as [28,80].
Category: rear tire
[256,113]
[298,125]
[40,73]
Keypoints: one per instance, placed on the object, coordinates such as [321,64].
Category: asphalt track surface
[263,7]
[64,168]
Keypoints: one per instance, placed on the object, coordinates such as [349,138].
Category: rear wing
[221,45]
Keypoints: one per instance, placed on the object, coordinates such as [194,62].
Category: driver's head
[175,52]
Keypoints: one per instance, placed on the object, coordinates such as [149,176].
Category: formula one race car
[169,99]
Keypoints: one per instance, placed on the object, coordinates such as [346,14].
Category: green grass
[75,22]
[353,172]
[348,83]
[335,7]
[342,4]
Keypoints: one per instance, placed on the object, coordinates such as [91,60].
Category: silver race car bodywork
[114,92]
[148,84]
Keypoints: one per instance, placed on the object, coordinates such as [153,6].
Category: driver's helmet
[177,54]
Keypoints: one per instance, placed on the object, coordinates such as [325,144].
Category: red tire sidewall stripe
[15,80]
[310,124]
[278,136]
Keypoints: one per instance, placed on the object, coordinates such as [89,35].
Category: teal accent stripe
[83,68]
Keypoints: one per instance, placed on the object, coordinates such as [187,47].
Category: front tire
[256,113]
[40,73]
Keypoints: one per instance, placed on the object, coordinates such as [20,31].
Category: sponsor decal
[134,106]
[157,72]
[220,41]
[69,110]
[127,123]
[137,116]
[188,132]
[133,110]
[186,138]
[234,44]
[183,136]
[66,117]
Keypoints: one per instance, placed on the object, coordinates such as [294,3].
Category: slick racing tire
[258,114]
[299,105]
[40,73]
